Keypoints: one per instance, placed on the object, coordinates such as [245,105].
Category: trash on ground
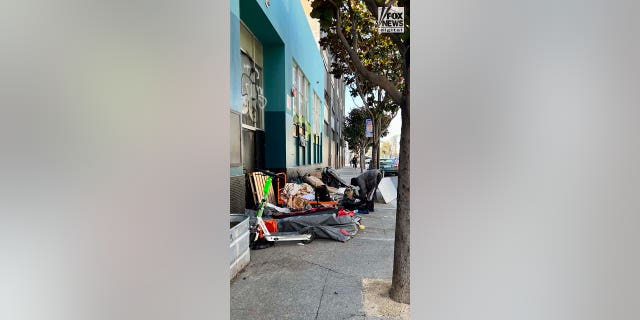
[313,181]
[278,209]
[326,226]
[309,196]
[320,202]
[387,190]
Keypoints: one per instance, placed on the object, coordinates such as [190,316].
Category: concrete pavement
[320,280]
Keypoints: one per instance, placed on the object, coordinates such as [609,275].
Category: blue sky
[394,128]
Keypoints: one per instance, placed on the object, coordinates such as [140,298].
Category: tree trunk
[377,133]
[361,158]
[401,275]
[375,151]
[400,287]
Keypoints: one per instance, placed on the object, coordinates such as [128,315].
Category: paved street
[320,280]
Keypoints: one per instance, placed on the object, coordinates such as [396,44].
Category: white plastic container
[239,245]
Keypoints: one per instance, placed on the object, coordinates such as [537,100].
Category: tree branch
[354,33]
[362,70]
[395,38]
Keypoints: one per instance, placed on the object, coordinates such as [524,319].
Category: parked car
[389,166]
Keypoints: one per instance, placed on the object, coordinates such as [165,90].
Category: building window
[304,97]
[317,105]
[253,99]
[294,79]
[334,121]
[301,99]
[326,110]
[317,125]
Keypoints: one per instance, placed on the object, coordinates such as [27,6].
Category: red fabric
[272,226]
[321,209]
[344,232]
[344,212]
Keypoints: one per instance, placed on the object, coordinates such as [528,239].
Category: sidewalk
[320,280]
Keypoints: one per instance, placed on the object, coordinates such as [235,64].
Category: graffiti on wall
[253,99]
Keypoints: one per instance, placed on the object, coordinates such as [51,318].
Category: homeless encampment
[332,178]
[324,222]
[319,210]
[295,195]
[323,225]
[300,215]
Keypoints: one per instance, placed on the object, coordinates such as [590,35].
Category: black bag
[349,204]
[322,194]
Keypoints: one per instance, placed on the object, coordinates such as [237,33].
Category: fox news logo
[391,20]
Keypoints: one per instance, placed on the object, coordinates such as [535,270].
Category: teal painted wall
[285,34]
[275,112]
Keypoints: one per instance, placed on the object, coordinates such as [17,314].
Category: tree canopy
[362,54]
[354,129]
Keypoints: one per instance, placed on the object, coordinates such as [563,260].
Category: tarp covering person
[367,183]
[326,226]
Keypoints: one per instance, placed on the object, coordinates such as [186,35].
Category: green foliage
[354,130]
[386,148]
[376,51]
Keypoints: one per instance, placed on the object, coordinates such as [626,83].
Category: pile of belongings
[311,206]
[325,222]
[297,196]
[321,190]
[312,189]
[331,177]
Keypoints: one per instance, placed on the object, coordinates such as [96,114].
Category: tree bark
[374,151]
[378,134]
[400,286]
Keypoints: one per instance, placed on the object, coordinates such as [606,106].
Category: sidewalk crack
[322,296]
[327,268]
[321,266]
